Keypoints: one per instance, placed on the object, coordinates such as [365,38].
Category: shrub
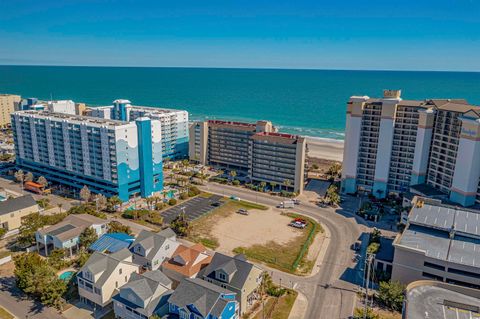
[183,196]
[194,190]
[236,182]
[128,214]
[159,206]
[391,294]
[172,201]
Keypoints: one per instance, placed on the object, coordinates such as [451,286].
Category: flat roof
[433,242]
[441,301]
[79,119]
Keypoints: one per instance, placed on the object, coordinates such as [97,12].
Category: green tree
[3,231]
[85,193]
[332,195]
[19,176]
[273,185]
[112,203]
[28,177]
[375,235]
[88,237]
[116,227]
[263,185]
[100,201]
[180,225]
[390,293]
[359,313]
[287,183]
[233,174]
[30,224]
[172,201]
[43,202]
[42,181]
[56,259]
[334,170]
[82,257]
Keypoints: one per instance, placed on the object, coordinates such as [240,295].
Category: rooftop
[112,242]
[71,227]
[425,299]
[79,119]
[13,204]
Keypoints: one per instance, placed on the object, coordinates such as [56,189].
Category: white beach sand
[325,149]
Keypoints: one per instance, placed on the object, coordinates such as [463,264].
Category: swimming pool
[67,275]
[2,198]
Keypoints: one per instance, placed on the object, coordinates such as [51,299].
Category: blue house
[199,299]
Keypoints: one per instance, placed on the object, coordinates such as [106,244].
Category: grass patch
[278,308]
[4,253]
[5,314]
[201,228]
[286,256]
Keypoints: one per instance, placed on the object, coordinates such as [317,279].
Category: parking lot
[194,208]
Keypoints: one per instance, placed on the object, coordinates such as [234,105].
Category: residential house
[186,262]
[14,209]
[143,296]
[66,234]
[102,275]
[151,249]
[198,299]
[235,274]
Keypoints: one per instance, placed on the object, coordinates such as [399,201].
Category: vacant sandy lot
[259,227]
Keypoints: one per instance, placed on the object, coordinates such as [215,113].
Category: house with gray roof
[199,299]
[13,210]
[151,249]
[103,275]
[237,275]
[440,242]
[143,296]
[66,234]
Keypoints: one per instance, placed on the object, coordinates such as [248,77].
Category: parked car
[297,225]
[356,246]
[216,204]
[300,220]
[242,212]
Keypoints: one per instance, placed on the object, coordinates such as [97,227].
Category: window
[432,276]
[126,279]
[167,247]
[120,271]
[116,284]
[221,276]
[463,273]
[434,266]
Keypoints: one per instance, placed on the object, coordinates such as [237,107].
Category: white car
[297,225]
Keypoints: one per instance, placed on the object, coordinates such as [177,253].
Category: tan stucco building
[7,106]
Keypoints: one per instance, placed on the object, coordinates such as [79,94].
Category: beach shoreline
[322,148]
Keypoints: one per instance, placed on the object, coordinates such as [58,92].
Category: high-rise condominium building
[108,156]
[174,124]
[392,144]
[254,150]
[8,102]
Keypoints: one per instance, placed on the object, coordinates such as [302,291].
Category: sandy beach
[325,149]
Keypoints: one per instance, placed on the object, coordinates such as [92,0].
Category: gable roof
[71,226]
[204,296]
[106,264]
[13,204]
[188,255]
[150,240]
[237,267]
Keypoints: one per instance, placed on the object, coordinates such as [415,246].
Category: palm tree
[42,181]
[232,175]
[272,185]
[221,172]
[28,177]
[287,183]
[19,176]
[85,193]
[185,164]
[263,185]
[60,207]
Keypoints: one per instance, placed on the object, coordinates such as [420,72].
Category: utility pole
[368,261]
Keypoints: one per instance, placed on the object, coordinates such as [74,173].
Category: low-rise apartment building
[253,150]
[235,274]
[392,144]
[143,296]
[103,275]
[108,156]
[151,249]
[13,210]
[66,234]
[173,124]
[440,242]
[8,104]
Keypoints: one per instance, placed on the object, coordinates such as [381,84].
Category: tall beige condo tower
[7,106]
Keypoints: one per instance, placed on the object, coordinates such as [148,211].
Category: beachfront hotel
[254,150]
[108,156]
[427,147]
[173,124]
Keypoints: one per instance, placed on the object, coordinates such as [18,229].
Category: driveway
[194,208]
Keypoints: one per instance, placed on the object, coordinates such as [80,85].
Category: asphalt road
[331,292]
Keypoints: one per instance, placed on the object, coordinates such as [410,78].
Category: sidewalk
[299,308]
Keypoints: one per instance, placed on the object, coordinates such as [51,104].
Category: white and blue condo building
[110,157]
[422,146]
[173,124]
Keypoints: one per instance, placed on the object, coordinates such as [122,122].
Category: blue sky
[350,34]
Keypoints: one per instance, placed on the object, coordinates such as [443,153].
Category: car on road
[296,202]
[242,212]
[356,246]
[234,197]
[297,225]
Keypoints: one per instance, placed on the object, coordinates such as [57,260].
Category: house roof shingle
[193,259]
[13,204]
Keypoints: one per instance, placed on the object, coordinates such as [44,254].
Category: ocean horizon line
[238,68]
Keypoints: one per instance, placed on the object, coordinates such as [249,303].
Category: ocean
[306,102]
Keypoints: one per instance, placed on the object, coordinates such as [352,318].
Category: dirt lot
[258,228]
